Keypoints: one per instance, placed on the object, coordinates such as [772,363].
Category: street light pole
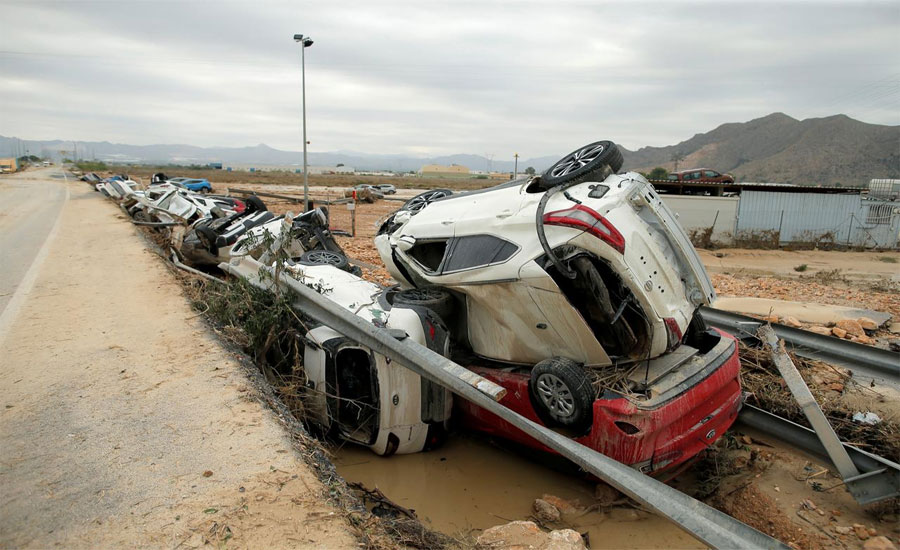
[305,42]
[516,172]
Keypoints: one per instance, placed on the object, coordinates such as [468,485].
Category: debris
[606,495]
[861,531]
[207,473]
[879,543]
[836,387]
[839,332]
[770,318]
[851,326]
[792,322]
[545,511]
[842,530]
[869,418]
[808,504]
[824,331]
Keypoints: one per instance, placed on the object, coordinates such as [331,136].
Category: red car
[682,411]
[699,175]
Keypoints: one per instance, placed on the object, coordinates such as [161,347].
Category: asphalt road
[30,204]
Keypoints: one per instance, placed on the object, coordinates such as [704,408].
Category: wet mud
[469,484]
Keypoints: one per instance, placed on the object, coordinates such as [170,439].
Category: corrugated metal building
[851,219]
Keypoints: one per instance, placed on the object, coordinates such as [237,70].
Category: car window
[477,251]
[673,177]
[695,175]
[710,174]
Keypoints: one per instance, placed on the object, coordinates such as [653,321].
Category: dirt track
[123,422]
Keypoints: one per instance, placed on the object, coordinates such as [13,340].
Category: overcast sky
[428,77]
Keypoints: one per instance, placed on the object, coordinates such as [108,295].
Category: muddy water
[468,485]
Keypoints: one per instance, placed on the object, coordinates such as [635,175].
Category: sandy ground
[124,423]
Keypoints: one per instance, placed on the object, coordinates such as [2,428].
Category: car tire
[436,299]
[585,162]
[422,200]
[254,204]
[562,393]
[207,238]
[204,191]
[325,257]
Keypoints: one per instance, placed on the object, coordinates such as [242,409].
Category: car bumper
[652,439]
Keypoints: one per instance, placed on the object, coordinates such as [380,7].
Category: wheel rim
[556,396]
[423,294]
[323,257]
[578,159]
[417,203]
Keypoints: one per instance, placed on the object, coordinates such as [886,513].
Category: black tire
[583,163]
[436,299]
[207,238]
[561,393]
[422,200]
[254,204]
[141,216]
[324,257]
[204,190]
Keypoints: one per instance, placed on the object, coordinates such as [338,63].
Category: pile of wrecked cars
[576,290]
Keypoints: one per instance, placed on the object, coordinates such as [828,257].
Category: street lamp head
[305,40]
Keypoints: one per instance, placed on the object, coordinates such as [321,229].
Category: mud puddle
[468,485]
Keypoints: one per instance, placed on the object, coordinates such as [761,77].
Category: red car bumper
[655,436]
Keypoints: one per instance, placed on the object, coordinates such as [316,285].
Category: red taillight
[239,206]
[673,333]
[582,217]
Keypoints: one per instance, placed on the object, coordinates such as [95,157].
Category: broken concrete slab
[820,314]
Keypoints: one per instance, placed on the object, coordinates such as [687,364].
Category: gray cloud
[438,77]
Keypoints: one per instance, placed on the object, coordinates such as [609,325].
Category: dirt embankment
[123,421]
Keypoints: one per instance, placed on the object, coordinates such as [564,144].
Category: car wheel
[207,238]
[324,257]
[255,204]
[583,163]
[562,392]
[204,190]
[422,200]
[437,300]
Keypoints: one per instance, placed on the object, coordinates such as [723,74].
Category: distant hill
[774,148]
[778,148]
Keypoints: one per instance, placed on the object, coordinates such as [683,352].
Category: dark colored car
[699,175]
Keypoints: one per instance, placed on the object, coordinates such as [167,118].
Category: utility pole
[516,169]
[304,42]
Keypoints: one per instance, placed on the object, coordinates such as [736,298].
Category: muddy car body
[578,272]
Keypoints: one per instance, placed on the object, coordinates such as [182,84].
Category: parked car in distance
[365,193]
[386,188]
[699,175]
[198,185]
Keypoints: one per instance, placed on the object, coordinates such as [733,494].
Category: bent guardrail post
[881,476]
[833,446]
[701,521]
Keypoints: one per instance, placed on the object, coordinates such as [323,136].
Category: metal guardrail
[880,477]
[866,361]
[701,521]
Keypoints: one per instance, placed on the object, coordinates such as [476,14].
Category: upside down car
[578,291]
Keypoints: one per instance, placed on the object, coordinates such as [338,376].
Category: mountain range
[774,148]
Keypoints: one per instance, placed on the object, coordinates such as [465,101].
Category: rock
[792,322]
[872,531]
[770,318]
[522,535]
[545,511]
[824,331]
[839,332]
[836,387]
[852,327]
[861,531]
[746,439]
[867,324]
[606,495]
[879,543]
[808,504]
[863,340]
[565,539]
[894,328]
[562,505]
[840,530]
